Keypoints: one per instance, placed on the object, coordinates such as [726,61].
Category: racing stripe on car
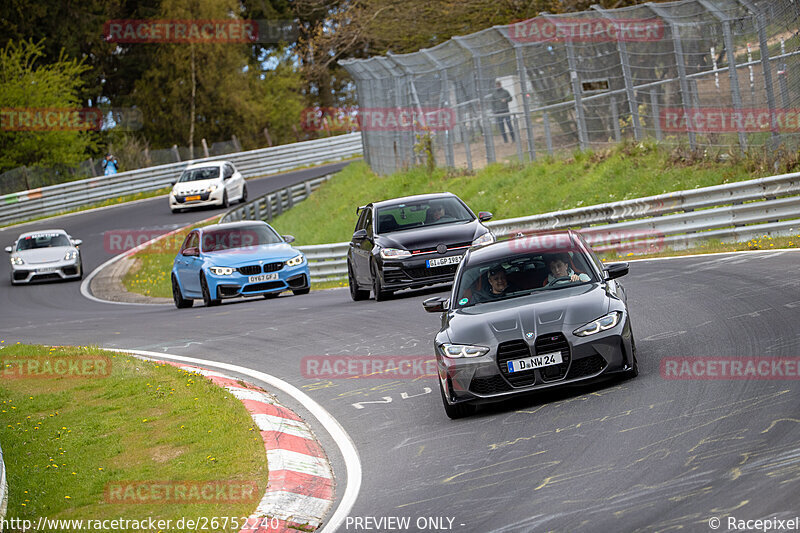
[301,485]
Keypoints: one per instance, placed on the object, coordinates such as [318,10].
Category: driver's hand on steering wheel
[574,277]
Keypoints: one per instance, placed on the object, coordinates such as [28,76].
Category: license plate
[192,198]
[262,277]
[529,363]
[452,260]
[45,270]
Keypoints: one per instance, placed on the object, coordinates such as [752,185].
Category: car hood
[430,237]
[194,186]
[266,253]
[44,255]
[541,312]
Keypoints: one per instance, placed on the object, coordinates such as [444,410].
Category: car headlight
[601,324]
[394,253]
[456,351]
[211,188]
[221,271]
[296,260]
[72,254]
[17,261]
[486,238]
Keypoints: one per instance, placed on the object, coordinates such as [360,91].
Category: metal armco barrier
[57,198]
[733,212]
[269,205]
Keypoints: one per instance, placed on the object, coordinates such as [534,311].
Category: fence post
[176,153]
[449,149]
[731,52]
[523,89]
[615,120]
[466,134]
[548,138]
[205,146]
[655,111]
[767,68]
[577,90]
[622,50]
[680,64]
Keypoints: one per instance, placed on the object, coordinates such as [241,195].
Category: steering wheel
[562,278]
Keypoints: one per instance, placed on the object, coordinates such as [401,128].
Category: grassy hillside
[627,171]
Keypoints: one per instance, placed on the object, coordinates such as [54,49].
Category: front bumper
[413,272]
[482,379]
[236,284]
[205,199]
[59,270]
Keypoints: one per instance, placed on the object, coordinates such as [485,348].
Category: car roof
[230,225]
[544,242]
[29,233]
[414,198]
[206,164]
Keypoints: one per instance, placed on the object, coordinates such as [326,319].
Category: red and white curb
[301,485]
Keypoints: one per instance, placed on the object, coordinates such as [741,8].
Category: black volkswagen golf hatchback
[411,242]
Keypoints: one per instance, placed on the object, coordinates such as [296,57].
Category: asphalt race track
[649,454]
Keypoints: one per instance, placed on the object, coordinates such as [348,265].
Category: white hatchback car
[211,183]
[45,255]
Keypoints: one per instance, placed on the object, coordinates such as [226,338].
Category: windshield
[199,174]
[433,212]
[43,240]
[240,237]
[519,275]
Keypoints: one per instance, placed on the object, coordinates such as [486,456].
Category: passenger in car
[560,266]
[498,285]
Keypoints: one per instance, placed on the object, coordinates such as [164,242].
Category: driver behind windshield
[434,214]
[559,267]
[498,285]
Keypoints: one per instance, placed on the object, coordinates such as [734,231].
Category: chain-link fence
[707,73]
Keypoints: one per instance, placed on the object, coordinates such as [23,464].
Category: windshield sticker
[43,236]
[463,301]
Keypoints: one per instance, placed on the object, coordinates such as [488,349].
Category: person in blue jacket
[110,165]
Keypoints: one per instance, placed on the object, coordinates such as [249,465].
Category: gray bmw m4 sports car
[530,314]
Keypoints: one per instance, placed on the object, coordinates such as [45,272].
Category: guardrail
[272,204]
[3,490]
[57,198]
[733,212]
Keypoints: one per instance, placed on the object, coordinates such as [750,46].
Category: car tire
[177,297]
[355,293]
[207,299]
[225,199]
[300,292]
[459,410]
[377,287]
[244,195]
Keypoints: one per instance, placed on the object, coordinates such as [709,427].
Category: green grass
[65,439]
[510,190]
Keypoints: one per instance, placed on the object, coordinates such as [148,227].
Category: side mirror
[616,270]
[172,183]
[77,242]
[191,252]
[9,249]
[437,304]
[360,235]
[483,216]
[288,238]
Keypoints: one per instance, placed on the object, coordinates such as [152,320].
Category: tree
[26,85]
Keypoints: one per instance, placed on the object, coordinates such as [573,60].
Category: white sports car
[215,183]
[45,255]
